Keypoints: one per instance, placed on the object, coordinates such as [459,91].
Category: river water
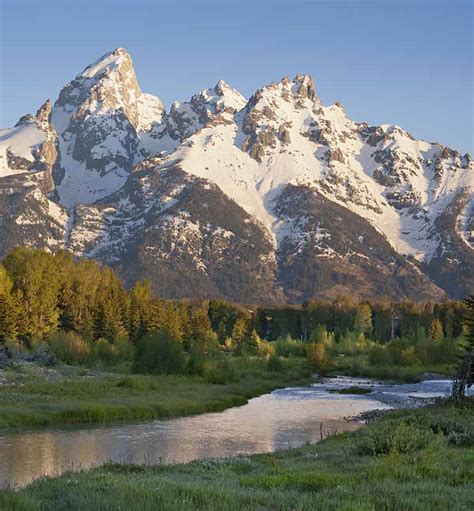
[283,419]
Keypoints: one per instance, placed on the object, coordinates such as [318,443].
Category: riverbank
[32,396]
[411,459]
[359,366]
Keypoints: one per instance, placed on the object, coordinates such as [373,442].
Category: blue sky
[408,62]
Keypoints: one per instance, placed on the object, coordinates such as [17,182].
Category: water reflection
[286,418]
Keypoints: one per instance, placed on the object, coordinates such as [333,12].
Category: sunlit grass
[31,400]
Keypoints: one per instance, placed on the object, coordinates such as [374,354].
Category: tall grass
[104,397]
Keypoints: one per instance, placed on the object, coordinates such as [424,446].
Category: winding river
[283,419]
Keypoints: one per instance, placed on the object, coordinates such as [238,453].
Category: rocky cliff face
[275,198]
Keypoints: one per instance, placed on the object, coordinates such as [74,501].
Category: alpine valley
[269,199]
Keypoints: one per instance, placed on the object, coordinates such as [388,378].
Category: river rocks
[371,415]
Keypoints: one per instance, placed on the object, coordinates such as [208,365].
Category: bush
[70,347]
[219,370]
[317,355]
[104,351]
[158,353]
[461,439]
[348,343]
[275,364]
[289,347]
[266,350]
[401,438]
[125,350]
[228,344]
[410,357]
[379,355]
[118,352]
[196,361]
[456,433]
[320,336]
[125,383]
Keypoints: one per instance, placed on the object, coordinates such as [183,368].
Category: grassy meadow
[31,396]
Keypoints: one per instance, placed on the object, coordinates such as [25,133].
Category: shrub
[348,343]
[158,353]
[275,364]
[361,343]
[379,355]
[125,383]
[410,357]
[289,347]
[461,439]
[401,438]
[446,426]
[70,347]
[124,349]
[266,350]
[109,353]
[320,335]
[317,355]
[229,344]
[104,351]
[456,433]
[219,370]
[196,361]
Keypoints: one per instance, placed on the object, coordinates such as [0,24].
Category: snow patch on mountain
[465,224]
[19,145]
[100,166]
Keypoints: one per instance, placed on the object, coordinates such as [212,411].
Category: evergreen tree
[221,333]
[201,331]
[315,312]
[344,309]
[176,323]
[239,331]
[252,342]
[319,335]
[382,321]
[363,319]
[420,336]
[436,330]
[79,296]
[465,372]
[140,310]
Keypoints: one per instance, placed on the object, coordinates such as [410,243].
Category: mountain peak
[304,87]
[221,86]
[219,183]
[107,64]
[44,113]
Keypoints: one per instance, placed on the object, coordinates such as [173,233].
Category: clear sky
[408,62]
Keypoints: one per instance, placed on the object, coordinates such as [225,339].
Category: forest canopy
[82,311]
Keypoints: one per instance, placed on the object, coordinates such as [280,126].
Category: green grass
[410,460]
[29,399]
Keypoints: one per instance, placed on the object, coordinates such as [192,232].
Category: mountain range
[275,198]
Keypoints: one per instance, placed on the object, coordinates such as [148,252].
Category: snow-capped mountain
[273,198]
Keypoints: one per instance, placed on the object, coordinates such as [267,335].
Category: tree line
[82,309]
[381,320]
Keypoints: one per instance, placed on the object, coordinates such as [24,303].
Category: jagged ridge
[296,198]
